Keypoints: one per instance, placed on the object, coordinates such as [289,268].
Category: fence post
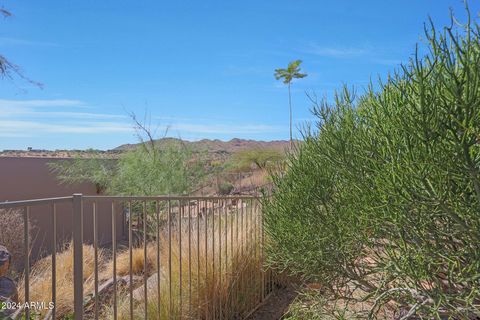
[77,222]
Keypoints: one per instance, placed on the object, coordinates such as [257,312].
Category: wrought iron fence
[183,258]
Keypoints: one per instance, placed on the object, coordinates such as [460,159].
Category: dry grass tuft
[138,261]
[41,278]
[232,288]
[11,235]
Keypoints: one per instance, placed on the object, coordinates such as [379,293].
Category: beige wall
[30,178]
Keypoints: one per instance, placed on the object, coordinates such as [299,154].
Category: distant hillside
[217,146]
[60,154]
[214,147]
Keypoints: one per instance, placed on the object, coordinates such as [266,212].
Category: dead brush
[231,288]
[41,278]
[196,280]
[11,235]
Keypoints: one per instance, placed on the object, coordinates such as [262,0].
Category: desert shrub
[146,170]
[384,195]
[225,188]
[153,171]
[258,158]
[94,169]
[41,281]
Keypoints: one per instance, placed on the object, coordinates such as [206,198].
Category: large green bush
[384,195]
[146,170]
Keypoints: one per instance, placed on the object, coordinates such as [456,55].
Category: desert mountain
[217,146]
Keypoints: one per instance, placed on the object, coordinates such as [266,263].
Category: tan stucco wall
[30,178]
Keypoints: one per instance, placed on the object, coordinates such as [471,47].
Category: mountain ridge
[216,145]
[213,146]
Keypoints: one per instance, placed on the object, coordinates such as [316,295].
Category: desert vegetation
[146,170]
[209,265]
[375,212]
[171,166]
[12,227]
[381,201]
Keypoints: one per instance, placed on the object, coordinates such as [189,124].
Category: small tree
[90,168]
[146,170]
[262,159]
[288,74]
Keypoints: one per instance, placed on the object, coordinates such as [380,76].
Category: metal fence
[183,258]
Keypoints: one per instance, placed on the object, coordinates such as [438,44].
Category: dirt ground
[276,305]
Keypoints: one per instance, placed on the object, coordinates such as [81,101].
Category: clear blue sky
[202,68]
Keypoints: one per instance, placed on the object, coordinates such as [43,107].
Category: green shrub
[385,194]
[257,158]
[224,188]
[146,170]
[154,171]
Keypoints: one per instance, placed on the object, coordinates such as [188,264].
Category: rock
[138,293]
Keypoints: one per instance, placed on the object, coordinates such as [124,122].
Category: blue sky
[204,69]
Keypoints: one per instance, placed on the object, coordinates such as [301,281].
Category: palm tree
[292,72]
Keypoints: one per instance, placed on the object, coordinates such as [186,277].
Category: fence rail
[183,257]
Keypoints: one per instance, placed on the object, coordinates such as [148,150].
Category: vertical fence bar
[233,257]
[198,257]
[259,250]
[95,256]
[77,256]
[214,284]
[189,260]
[137,225]
[252,275]
[242,257]
[227,293]
[145,287]
[248,254]
[54,260]
[251,288]
[170,303]
[257,258]
[205,207]
[255,251]
[114,253]
[262,242]
[180,282]
[130,257]
[238,257]
[220,298]
[157,210]
[26,238]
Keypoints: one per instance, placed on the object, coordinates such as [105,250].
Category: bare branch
[10,70]
[5,13]
[143,128]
